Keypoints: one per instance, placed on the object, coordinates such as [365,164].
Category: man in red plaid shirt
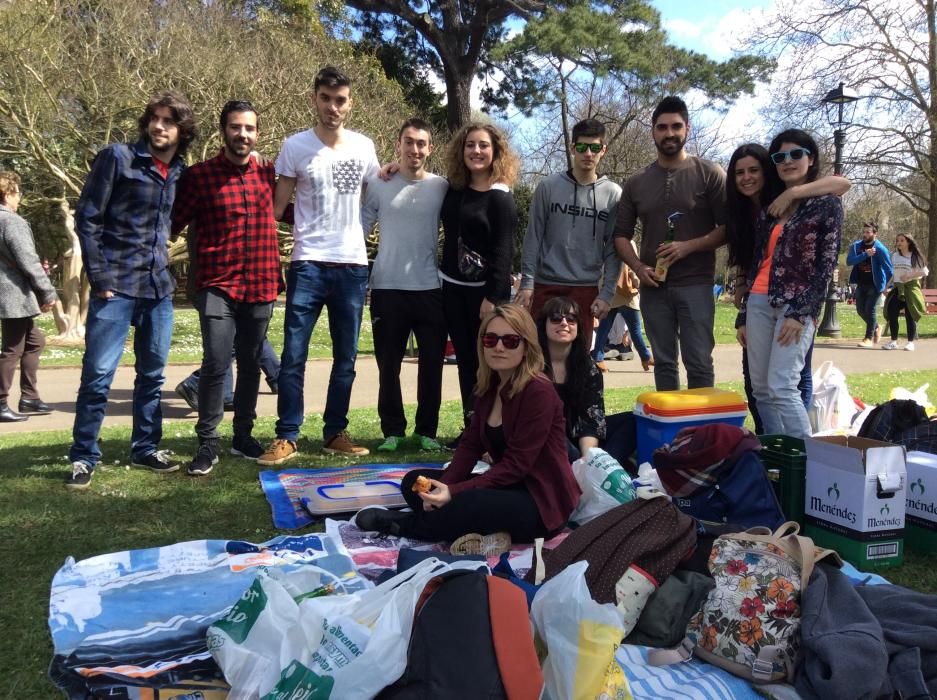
[227,202]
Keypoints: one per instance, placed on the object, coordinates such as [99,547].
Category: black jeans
[225,324]
[461,305]
[394,314]
[893,310]
[484,511]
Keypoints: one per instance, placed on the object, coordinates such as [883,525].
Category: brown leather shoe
[279,451]
[342,444]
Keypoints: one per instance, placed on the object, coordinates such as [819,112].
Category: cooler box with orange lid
[659,415]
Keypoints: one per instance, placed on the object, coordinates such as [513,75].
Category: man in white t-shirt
[326,167]
[405,293]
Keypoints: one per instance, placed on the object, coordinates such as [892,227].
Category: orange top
[760,285]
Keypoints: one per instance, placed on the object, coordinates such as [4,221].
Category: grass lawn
[131,509]
[187,341]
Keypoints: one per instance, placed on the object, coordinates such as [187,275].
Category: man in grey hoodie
[568,249]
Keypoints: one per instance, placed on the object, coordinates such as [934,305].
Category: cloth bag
[279,641]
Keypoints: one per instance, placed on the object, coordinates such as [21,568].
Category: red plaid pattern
[231,209]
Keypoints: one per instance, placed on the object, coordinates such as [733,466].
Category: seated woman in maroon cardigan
[530,490]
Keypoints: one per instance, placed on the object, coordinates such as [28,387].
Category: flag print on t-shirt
[347,175]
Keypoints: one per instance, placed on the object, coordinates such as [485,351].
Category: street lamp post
[839,104]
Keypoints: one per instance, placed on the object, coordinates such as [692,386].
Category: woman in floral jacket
[794,258]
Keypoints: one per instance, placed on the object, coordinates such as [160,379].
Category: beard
[670,146]
[238,147]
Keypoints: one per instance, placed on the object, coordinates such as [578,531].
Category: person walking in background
[753,185]
[25,291]
[680,201]
[122,221]
[479,220]
[625,303]
[792,263]
[228,200]
[871,270]
[908,270]
[405,293]
[327,167]
[568,249]
[269,363]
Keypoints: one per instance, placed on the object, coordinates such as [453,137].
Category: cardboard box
[855,498]
[920,533]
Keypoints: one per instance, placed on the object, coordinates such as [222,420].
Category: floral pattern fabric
[755,604]
[804,258]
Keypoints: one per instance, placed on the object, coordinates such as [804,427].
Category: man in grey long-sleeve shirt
[405,293]
[568,249]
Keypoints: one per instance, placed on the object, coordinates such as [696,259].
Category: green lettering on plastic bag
[617,484]
[300,683]
[240,619]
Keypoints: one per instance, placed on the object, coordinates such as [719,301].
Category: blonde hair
[531,365]
[9,183]
[505,165]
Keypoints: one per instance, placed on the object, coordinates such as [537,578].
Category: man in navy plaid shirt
[122,222]
[227,202]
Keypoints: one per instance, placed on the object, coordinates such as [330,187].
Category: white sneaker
[909,347]
[891,345]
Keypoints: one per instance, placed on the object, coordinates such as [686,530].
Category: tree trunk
[71,310]
[932,156]
[458,97]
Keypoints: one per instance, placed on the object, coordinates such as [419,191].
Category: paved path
[59,385]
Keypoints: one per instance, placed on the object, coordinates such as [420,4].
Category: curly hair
[578,362]
[9,183]
[505,165]
[182,114]
[530,367]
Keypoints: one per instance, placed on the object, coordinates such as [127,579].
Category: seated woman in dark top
[574,373]
[530,490]
[579,384]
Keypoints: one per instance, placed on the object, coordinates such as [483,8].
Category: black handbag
[472,264]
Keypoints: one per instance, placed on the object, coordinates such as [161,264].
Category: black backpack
[471,640]
[889,420]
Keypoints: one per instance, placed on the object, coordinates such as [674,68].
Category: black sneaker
[203,462]
[159,462]
[274,386]
[379,519]
[80,477]
[186,393]
[246,446]
[454,443]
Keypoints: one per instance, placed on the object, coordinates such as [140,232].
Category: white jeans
[775,369]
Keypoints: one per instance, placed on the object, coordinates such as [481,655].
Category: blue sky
[695,24]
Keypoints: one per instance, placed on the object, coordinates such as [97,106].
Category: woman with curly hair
[793,259]
[517,426]
[479,220]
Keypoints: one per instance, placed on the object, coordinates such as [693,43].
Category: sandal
[488,545]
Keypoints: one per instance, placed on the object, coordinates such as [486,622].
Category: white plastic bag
[580,635]
[919,396]
[277,642]
[832,407]
[604,483]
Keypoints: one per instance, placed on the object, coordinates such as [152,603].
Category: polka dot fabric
[653,535]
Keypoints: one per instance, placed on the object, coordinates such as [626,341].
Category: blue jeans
[775,369]
[309,287]
[109,322]
[804,386]
[866,300]
[632,320]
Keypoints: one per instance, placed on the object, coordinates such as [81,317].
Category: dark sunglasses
[509,341]
[583,147]
[559,318]
[793,154]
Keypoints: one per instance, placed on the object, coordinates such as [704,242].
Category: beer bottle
[662,266]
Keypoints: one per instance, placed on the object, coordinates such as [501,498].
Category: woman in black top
[575,376]
[479,219]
